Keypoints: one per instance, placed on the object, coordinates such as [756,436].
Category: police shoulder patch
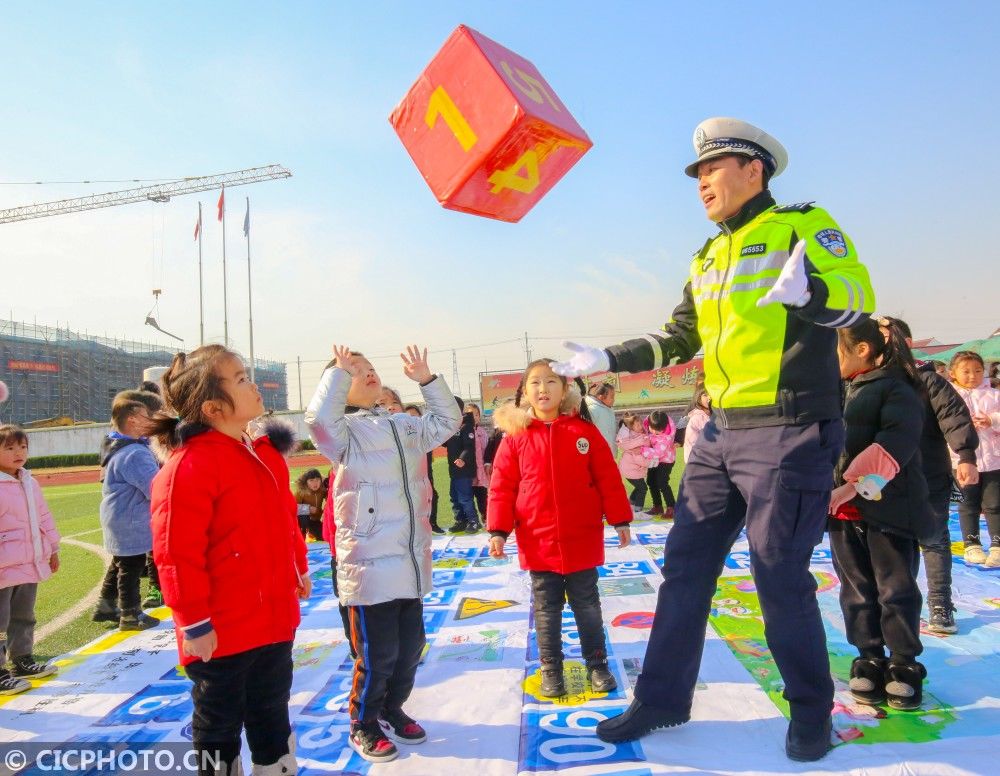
[834,241]
[798,207]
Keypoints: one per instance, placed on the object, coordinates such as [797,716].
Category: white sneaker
[993,559]
[974,554]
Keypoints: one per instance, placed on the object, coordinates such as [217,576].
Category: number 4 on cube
[486,130]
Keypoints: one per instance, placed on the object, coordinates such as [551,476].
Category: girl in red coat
[231,560]
[554,478]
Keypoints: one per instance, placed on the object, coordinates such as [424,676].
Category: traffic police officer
[764,298]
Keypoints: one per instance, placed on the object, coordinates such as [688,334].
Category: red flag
[197,226]
[222,203]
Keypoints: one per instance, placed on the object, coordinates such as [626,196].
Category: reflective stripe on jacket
[770,365]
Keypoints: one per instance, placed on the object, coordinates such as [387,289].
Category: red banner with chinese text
[668,385]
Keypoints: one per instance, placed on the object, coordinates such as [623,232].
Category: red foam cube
[485,129]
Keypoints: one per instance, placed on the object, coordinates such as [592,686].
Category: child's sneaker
[472,527]
[401,728]
[436,529]
[153,599]
[904,685]
[942,619]
[458,527]
[26,668]
[136,620]
[368,740]
[12,685]
[974,554]
[993,559]
[553,685]
[867,683]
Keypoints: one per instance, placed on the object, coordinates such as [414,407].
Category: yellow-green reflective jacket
[770,365]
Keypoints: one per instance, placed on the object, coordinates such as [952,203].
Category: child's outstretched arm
[325,414]
[442,418]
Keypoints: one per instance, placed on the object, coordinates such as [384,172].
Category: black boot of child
[136,620]
[553,685]
[106,611]
[600,677]
[904,681]
[867,682]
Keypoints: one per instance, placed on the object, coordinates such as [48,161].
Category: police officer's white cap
[721,136]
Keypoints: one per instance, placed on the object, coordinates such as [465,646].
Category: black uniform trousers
[388,639]
[776,480]
[878,593]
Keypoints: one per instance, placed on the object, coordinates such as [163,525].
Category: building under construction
[60,374]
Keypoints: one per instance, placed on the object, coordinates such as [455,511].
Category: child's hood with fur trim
[513,420]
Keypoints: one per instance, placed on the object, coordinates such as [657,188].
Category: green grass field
[75,508]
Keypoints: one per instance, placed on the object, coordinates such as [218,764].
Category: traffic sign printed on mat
[473,607]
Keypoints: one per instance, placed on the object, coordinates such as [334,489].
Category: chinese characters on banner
[659,386]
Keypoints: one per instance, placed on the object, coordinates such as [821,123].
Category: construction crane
[161,192]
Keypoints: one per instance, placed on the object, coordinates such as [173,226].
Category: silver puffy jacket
[382,497]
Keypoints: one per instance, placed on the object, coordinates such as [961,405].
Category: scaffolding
[54,372]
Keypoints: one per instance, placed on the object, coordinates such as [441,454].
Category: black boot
[600,678]
[136,620]
[553,685]
[106,611]
[868,680]
[904,681]
[806,742]
[638,720]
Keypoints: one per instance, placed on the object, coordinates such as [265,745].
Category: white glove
[792,285]
[587,361]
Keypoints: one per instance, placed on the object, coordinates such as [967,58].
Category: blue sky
[888,112]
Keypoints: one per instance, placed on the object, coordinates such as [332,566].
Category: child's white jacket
[984,400]
[382,497]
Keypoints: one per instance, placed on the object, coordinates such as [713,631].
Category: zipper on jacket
[409,503]
[718,309]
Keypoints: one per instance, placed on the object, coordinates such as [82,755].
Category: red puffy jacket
[552,484]
[226,542]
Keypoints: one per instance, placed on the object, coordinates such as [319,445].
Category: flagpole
[246,231]
[225,293]
[201,293]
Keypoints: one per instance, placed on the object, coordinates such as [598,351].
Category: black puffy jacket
[882,407]
[463,446]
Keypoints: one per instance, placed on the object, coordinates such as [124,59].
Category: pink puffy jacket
[633,465]
[661,443]
[28,535]
[983,400]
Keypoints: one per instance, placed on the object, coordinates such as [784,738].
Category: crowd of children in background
[213,511]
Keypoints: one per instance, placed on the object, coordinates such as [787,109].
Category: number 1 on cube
[441,104]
